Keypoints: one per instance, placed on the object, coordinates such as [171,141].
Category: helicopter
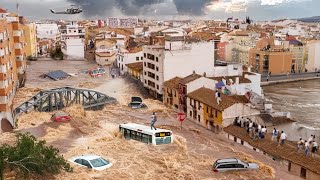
[72,10]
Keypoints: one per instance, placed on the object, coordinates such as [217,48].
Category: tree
[30,156]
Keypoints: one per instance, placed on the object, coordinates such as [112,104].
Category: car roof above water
[227,160]
[87,157]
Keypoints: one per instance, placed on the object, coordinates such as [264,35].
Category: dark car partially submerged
[136,103]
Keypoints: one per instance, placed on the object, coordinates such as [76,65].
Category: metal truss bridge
[56,99]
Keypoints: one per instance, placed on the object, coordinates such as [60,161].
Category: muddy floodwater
[190,156]
[301,99]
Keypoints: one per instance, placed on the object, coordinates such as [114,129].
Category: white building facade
[162,64]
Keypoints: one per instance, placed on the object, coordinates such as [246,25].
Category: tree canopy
[30,156]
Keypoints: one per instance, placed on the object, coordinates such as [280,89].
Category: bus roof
[142,128]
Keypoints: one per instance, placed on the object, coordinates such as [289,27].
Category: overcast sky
[167,9]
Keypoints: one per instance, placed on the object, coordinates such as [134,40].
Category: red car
[61,117]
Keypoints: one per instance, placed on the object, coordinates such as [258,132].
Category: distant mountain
[313,19]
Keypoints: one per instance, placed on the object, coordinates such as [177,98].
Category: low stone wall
[287,81]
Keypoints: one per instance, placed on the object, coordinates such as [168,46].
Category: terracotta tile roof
[105,54]
[134,49]
[190,78]
[137,66]
[207,96]
[3,10]
[284,151]
[239,33]
[204,36]
[173,83]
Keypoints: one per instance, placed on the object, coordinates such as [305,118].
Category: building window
[137,58]
[157,59]
[157,86]
[190,102]
[175,93]
[150,56]
[145,64]
[191,113]
[145,81]
[144,55]
[157,77]
[199,118]
[207,109]
[141,58]
[157,69]
[198,105]
[216,113]
[145,73]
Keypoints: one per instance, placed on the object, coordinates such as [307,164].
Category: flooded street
[97,132]
[299,98]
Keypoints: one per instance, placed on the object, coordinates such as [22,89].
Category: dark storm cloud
[191,7]
[140,7]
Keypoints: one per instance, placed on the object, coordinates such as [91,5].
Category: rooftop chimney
[204,74]
[193,72]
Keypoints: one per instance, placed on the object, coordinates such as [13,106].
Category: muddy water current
[96,132]
[301,99]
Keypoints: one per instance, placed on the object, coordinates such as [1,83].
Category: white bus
[144,134]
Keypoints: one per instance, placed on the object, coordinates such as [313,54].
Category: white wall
[182,63]
[313,56]
[229,70]
[48,31]
[255,84]
[235,110]
[75,48]
[127,58]
[199,83]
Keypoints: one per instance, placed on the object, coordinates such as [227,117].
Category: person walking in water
[153,120]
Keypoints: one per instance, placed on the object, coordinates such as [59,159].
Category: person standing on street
[153,120]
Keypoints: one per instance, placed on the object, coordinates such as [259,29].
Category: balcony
[18,46]
[17,33]
[20,58]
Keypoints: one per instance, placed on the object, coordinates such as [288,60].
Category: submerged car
[232,164]
[136,103]
[91,161]
[61,116]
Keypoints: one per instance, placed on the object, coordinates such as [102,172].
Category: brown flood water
[301,99]
[96,132]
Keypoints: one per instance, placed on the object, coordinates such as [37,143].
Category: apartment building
[31,39]
[299,55]
[313,61]
[267,57]
[175,58]
[19,47]
[8,69]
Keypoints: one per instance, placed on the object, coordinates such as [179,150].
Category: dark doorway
[303,173]
[5,125]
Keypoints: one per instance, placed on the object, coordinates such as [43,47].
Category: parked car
[136,102]
[232,164]
[61,116]
[91,161]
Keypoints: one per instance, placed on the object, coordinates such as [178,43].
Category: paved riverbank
[278,79]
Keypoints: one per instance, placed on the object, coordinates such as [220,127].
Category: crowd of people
[308,146]
[257,131]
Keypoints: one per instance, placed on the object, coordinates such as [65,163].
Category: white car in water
[232,164]
[91,161]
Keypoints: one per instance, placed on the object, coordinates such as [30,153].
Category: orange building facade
[12,63]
